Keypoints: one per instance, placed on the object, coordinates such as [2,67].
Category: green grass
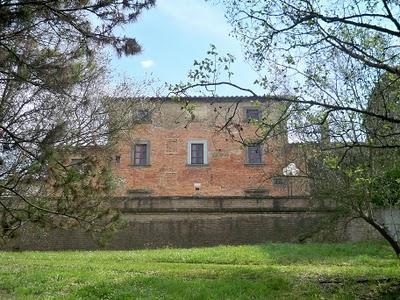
[280,271]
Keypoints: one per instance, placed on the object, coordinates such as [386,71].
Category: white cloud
[196,15]
[148,63]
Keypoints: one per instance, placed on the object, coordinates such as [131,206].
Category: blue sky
[173,35]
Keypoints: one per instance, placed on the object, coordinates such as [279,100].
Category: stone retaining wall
[198,221]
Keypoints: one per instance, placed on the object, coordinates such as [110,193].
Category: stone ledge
[224,210]
[150,203]
[205,197]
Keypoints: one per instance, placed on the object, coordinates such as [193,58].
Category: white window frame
[189,151]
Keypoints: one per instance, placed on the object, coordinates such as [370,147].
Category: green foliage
[384,99]
[362,183]
[210,68]
[385,188]
[365,177]
[52,78]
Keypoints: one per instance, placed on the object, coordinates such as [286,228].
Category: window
[254,154]
[253,114]
[197,152]
[197,155]
[142,115]
[141,153]
[278,181]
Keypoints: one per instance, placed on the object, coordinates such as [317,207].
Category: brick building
[189,179]
[212,148]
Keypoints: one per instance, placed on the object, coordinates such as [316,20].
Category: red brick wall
[200,221]
[169,173]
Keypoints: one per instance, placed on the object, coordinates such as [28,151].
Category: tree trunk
[385,233]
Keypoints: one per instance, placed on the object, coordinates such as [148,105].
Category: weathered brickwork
[168,202]
[201,221]
[226,172]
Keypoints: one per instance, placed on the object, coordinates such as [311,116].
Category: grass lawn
[290,271]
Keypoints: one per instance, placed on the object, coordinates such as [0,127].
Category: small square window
[278,181]
[141,153]
[253,114]
[197,152]
[142,115]
[254,154]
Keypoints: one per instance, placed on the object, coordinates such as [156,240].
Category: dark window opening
[254,154]
[143,115]
[278,181]
[252,114]
[197,154]
[140,154]
[117,159]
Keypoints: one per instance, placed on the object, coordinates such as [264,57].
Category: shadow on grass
[235,285]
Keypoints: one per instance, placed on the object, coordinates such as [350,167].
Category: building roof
[212,99]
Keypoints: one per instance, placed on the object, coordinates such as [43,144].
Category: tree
[336,62]
[385,99]
[326,56]
[53,106]
[335,53]
[366,185]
